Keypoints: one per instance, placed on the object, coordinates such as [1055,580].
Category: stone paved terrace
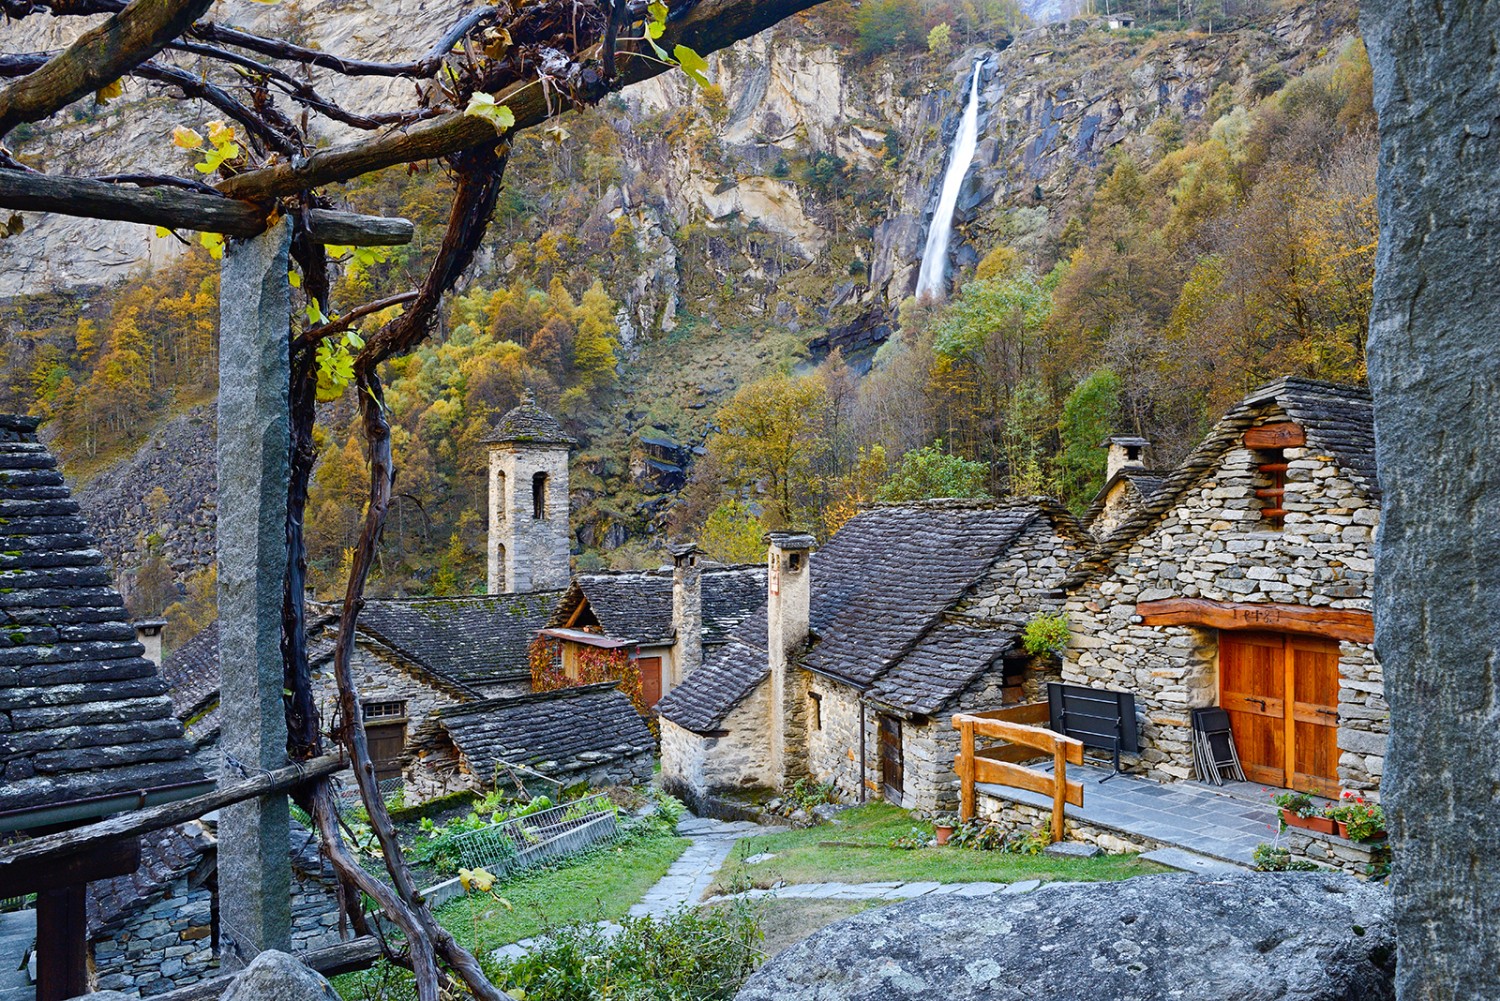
[17,933]
[1198,818]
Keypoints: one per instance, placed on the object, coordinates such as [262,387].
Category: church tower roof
[529,424]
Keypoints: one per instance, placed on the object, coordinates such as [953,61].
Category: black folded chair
[1213,746]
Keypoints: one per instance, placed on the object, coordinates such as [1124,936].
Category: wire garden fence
[513,845]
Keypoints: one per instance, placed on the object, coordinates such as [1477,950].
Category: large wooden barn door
[1281,693]
[650,679]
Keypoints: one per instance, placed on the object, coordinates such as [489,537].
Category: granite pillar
[254,464]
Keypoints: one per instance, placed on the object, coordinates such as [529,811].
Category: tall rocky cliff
[732,219]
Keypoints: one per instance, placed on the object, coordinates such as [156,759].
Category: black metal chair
[1214,753]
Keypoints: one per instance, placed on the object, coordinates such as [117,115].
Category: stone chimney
[789,593]
[148,634]
[1124,452]
[687,611]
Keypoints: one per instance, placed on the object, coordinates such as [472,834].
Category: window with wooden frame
[1268,443]
[385,710]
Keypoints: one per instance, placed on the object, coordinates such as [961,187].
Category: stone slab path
[686,881]
[17,932]
[882,891]
[1184,815]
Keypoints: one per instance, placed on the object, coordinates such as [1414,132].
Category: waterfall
[932,279]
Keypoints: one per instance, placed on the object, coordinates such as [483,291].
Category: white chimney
[1124,452]
[687,611]
[148,634]
[789,594]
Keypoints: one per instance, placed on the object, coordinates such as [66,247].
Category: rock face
[275,976]
[1250,937]
[1436,382]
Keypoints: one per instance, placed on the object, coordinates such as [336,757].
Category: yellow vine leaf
[293,279]
[214,242]
[219,133]
[186,138]
[109,92]
[163,232]
[692,64]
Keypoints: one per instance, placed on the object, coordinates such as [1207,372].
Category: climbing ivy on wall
[595,665]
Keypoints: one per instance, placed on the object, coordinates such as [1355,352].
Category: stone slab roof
[467,641]
[948,659]
[637,605]
[556,732]
[82,713]
[1146,482]
[192,673]
[1339,421]
[528,424]
[878,587]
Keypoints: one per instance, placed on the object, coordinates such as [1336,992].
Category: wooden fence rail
[998,764]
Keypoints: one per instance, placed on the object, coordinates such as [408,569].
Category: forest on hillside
[1224,250]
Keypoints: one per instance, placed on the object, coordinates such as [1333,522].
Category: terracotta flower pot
[1343,829]
[1322,825]
[943,832]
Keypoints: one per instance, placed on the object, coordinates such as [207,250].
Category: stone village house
[666,621]
[1246,581]
[850,672]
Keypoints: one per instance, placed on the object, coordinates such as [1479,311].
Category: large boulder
[1242,937]
[276,976]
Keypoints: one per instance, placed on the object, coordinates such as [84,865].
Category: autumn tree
[930,472]
[769,435]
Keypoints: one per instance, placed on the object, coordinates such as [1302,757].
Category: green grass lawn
[600,885]
[806,856]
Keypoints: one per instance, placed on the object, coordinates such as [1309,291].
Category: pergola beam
[708,26]
[178,208]
[98,57]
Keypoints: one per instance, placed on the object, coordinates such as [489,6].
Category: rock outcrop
[1250,937]
[276,976]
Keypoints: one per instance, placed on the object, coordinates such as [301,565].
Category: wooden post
[254,465]
[966,807]
[61,929]
[1059,789]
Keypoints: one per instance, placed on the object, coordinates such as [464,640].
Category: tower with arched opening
[529,537]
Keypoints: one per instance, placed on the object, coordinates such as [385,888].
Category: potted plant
[1357,819]
[943,827]
[1298,810]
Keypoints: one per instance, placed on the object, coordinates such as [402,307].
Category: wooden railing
[998,764]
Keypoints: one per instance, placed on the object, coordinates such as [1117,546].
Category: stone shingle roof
[878,587]
[530,425]
[166,856]
[466,641]
[949,657]
[637,605]
[192,673]
[82,713]
[1339,421]
[556,732]
[1146,482]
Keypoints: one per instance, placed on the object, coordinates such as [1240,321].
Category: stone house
[590,735]
[1246,582]
[156,929]
[1128,484]
[666,620]
[851,671]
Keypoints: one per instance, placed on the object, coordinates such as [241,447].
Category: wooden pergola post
[254,463]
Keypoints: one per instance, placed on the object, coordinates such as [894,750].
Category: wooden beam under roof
[1348,624]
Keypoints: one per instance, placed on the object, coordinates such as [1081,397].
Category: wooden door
[387,742]
[1313,679]
[650,668]
[892,767]
[1281,693]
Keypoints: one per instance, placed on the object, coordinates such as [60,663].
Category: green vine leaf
[482,105]
[692,64]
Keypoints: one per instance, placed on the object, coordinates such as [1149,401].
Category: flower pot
[943,832]
[1343,829]
[1322,825]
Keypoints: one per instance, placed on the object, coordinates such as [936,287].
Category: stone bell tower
[529,536]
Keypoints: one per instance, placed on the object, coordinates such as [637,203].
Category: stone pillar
[687,612]
[254,464]
[788,604]
[1435,372]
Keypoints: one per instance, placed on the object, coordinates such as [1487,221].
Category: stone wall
[1027,580]
[1023,818]
[833,744]
[1364,859]
[1215,545]
[695,768]
[170,943]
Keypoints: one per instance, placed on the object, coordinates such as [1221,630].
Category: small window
[385,710]
[500,563]
[1270,487]
[539,496]
[501,502]
[794,562]
[816,699]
